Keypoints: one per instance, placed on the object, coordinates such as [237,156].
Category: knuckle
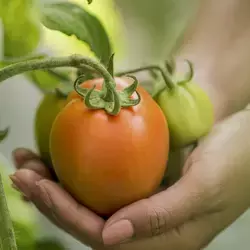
[157,220]
[46,201]
[44,195]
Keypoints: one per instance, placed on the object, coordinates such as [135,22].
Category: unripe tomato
[107,162]
[189,112]
[46,113]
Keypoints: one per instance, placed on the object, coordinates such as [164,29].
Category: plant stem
[7,235]
[111,96]
[48,63]
[166,78]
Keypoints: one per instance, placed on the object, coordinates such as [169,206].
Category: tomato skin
[189,112]
[107,162]
[48,109]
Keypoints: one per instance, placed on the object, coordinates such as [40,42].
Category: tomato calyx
[108,98]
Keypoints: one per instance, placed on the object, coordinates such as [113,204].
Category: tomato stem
[168,81]
[7,235]
[190,73]
[171,65]
[77,61]
[108,98]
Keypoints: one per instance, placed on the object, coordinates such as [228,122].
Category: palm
[216,177]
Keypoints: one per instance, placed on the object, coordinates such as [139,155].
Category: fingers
[157,214]
[59,207]
[22,155]
[74,218]
[194,234]
[33,180]
[26,159]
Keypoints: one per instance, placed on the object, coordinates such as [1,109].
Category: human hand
[212,193]
[188,215]
[34,181]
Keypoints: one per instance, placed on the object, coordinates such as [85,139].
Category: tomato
[189,112]
[105,161]
[46,113]
[23,32]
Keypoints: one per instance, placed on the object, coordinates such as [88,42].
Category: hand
[212,193]
[34,180]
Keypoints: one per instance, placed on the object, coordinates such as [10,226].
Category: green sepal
[93,100]
[116,104]
[130,102]
[128,91]
[126,94]
[171,66]
[190,75]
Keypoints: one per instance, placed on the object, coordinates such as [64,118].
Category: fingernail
[118,232]
[17,185]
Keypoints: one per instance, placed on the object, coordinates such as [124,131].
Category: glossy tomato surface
[107,162]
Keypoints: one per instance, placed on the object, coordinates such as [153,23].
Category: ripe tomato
[107,162]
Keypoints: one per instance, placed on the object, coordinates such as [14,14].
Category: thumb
[157,214]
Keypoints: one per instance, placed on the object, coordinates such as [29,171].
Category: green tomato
[48,109]
[21,27]
[189,113]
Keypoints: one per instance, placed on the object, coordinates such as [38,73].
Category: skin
[113,161]
[212,191]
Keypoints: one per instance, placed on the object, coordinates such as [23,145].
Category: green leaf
[90,1]
[3,134]
[21,27]
[73,20]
